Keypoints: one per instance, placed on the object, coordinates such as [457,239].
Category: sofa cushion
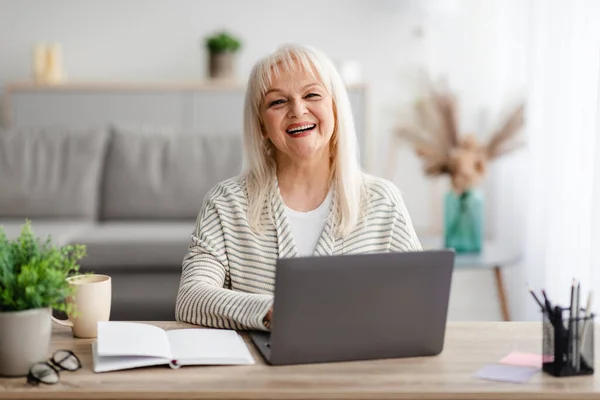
[155,176]
[139,245]
[50,172]
[61,231]
[151,298]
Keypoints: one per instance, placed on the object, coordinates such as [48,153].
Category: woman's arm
[404,237]
[203,298]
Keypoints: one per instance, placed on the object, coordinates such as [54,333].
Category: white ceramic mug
[92,299]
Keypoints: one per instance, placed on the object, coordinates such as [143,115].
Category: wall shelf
[205,107]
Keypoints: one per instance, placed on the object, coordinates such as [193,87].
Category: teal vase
[463,221]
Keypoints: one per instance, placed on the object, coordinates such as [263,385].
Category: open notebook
[125,345]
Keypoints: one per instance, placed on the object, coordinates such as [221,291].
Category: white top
[307,227]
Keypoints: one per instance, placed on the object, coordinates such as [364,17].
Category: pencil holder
[568,343]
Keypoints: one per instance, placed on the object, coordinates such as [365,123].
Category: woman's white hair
[259,160]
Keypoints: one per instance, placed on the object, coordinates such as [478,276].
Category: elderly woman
[302,194]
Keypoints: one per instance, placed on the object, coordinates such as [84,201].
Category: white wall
[479,43]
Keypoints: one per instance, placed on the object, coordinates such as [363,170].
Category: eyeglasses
[48,372]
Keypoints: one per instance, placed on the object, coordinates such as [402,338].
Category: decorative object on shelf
[222,48]
[47,63]
[39,62]
[434,133]
[351,72]
[33,281]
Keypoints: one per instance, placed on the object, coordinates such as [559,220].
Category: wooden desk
[469,346]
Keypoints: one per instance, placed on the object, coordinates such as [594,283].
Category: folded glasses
[48,372]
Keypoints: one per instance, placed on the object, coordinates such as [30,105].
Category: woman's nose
[297,109]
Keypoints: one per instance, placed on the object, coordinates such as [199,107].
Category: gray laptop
[358,307]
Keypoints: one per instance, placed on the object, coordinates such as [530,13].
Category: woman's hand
[267,318]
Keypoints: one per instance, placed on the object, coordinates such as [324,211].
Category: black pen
[536,298]
[558,319]
[548,304]
[561,341]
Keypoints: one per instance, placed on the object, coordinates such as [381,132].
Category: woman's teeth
[302,128]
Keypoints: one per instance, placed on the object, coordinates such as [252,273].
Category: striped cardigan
[228,274]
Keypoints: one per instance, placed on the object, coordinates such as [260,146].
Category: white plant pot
[24,340]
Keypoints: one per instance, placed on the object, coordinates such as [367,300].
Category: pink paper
[523,360]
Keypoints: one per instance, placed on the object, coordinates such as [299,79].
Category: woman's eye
[312,95]
[276,102]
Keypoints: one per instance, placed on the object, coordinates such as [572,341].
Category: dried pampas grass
[434,134]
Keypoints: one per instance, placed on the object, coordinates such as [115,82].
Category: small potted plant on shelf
[222,48]
[32,283]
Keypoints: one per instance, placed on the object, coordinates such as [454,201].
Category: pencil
[586,321]
[576,326]
[570,347]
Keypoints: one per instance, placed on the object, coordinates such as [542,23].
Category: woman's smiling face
[297,116]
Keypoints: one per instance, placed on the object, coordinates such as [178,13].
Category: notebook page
[117,338]
[117,363]
[208,346]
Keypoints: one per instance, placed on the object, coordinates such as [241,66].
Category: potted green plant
[221,47]
[32,283]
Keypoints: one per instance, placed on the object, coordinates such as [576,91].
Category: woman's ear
[335,116]
[334,135]
[261,126]
[263,130]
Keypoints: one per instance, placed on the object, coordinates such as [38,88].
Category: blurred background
[146,65]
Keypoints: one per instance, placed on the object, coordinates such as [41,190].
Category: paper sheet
[506,373]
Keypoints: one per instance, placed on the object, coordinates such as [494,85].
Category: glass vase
[463,221]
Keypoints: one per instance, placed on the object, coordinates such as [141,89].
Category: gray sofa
[131,196]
